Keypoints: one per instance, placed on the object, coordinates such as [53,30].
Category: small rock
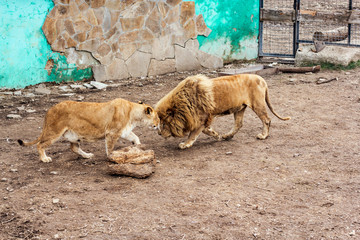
[347,73]
[55,200]
[309,73]
[56,236]
[17,93]
[43,91]
[30,110]
[98,85]
[21,108]
[54,173]
[4,180]
[228,153]
[352,233]
[68,94]
[87,85]
[296,154]
[29,95]
[75,86]
[9,189]
[13,170]
[13,116]
[65,88]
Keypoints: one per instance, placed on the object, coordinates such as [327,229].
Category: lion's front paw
[226,137]
[184,145]
[46,159]
[261,136]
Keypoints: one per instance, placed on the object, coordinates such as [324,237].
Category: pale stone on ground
[133,162]
[333,54]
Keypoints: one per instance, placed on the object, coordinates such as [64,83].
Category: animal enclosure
[284,24]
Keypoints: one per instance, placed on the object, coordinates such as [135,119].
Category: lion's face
[164,129]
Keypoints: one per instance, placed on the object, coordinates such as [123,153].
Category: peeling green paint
[24,50]
[234,25]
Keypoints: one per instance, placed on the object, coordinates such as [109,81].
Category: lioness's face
[152,117]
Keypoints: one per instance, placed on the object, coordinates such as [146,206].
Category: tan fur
[77,121]
[191,106]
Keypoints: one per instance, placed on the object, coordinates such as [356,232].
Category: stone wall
[129,38]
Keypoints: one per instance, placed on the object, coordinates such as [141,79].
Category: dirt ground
[303,182]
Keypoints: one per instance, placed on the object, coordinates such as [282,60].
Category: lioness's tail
[267,99]
[22,143]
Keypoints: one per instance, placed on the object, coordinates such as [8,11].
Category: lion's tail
[22,143]
[267,99]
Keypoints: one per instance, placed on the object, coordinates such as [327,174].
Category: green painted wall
[234,25]
[24,50]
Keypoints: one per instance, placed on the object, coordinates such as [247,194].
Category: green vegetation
[331,66]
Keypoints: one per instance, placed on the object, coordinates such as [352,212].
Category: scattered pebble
[30,110]
[55,200]
[75,86]
[54,173]
[228,153]
[87,85]
[14,116]
[17,93]
[65,88]
[352,233]
[9,189]
[13,170]
[21,108]
[98,85]
[4,180]
[42,91]
[29,95]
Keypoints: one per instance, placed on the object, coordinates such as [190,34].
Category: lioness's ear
[148,110]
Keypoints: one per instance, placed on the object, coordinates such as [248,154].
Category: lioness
[191,106]
[77,121]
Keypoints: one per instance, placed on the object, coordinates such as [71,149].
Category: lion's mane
[184,108]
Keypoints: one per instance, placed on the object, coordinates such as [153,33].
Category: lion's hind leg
[192,138]
[259,108]
[238,117]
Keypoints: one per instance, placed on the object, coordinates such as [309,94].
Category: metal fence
[286,23]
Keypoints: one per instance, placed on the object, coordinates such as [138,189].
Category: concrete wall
[24,51]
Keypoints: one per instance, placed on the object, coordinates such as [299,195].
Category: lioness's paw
[88,155]
[261,137]
[46,159]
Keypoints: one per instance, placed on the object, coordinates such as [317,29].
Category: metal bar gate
[284,24]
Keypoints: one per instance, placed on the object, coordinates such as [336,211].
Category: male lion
[77,121]
[191,106]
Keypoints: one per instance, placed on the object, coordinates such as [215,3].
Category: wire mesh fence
[309,21]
